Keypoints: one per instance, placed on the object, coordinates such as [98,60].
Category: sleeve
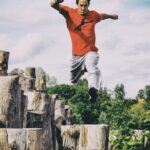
[65,10]
[98,17]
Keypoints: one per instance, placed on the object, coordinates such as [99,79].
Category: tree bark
[85,137]
[10,102]
[40,83]
[4,56]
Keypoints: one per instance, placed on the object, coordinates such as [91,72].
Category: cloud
[27,48]
[25,12]
[139,17]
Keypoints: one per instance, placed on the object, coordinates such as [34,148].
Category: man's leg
[91,61]
[77,68]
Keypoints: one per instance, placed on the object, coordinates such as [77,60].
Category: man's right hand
[114,16]
[54,2]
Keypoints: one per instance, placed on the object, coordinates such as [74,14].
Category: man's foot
[93,94]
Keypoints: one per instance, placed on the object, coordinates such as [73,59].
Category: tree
[140,116]
[140,94]
[119,92]
[147,93]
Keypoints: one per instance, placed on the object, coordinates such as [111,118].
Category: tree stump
[4,56]
[30,72]
[54,98]
[85,137]
[59,113]
[10,102]
[25,139]
[40,83]
[38,113]
[28,80]
[37,101]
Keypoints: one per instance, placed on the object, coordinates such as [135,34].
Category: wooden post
[25,139]
[85,137]
[59,113]
[10,102]
[40,83]
[53,99]
[4,56]
[29,74]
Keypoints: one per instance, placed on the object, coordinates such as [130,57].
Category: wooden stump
[68,115]
[59,113]
[85,137]
[70,136]
[40,83]
[4,56]
[10,102]
[38,101]
[38,113]
[28,80]
[54,98]
[25,139]
[30,72]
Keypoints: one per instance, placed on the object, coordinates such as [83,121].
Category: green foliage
[119,92]
[127,139]
[104,94]
[118,113]
[140,94]
[114,114]
[63,90]
[144,93]
[77,97]
[147,93]
[140,116]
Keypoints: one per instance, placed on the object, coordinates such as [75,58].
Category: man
[81,25]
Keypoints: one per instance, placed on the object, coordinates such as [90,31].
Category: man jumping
[81,25]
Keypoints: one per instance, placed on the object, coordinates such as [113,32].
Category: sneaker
[93,94]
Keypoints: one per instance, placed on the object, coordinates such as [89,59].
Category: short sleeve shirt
[81,29]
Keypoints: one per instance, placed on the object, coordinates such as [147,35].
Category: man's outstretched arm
[109,16]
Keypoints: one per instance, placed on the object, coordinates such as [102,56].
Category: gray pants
[87,63]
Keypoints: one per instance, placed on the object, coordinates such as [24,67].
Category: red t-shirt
[82,34]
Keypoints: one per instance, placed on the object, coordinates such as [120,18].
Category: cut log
[40,83]
[85,137]
[25,139]
[27,81]
[30,72]
[38,110]
[54,98]
[59,113]
[4,56]
[10,102]
[38,101]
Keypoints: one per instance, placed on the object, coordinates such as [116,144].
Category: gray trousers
[87,63]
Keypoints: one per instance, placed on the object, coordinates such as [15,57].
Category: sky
[36,36]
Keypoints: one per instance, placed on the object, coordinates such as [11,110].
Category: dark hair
[77,1]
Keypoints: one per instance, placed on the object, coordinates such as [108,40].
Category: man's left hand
[114,16]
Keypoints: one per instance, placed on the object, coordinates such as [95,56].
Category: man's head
[83,6]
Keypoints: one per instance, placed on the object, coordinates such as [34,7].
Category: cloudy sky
[36,35]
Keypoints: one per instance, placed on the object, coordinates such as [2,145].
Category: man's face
[83,7]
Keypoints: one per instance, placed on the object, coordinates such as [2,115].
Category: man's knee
[93,69]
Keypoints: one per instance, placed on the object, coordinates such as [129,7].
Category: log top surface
[3,51]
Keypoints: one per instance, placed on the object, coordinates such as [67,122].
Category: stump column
[4,56]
